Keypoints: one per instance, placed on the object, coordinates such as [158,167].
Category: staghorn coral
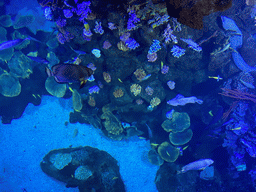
[135,89]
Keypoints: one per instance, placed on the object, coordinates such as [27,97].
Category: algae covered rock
[85,167]
[54,88]
[77,100]
[83,173]
[60,160]
[9,85]
[168,152]
[6,21]
[112,125]
[181,138]
[178,123]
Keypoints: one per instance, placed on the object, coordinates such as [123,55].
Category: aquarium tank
[127,95]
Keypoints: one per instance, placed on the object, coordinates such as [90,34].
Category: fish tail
[48,72]
[82,84]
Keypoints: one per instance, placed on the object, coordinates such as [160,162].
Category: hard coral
[118,93]
[135,89]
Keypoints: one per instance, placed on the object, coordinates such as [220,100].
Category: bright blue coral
[154,47]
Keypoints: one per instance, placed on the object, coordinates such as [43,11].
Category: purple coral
[133,19]
[67,13]
[129,42]
[61,22]
[192,44]
[83,10]
[98,28]
[94,89]
[177,51]
[169,36]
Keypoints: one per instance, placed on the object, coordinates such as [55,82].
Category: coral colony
[139,76]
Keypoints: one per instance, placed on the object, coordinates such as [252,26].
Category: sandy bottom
[41,129]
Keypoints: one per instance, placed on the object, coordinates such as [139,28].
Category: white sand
[41,129]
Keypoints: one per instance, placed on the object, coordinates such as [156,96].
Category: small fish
[71,89]
[114,178]
[237,128]
[86,26]
[196,165]
[34,96]
[78,51]
[150,134]
[146,77]
[39,60]
[210,113]
[168,153]
[162,64]
[143,138]
[154,145]
[70,73]
[120,80]
[217,78]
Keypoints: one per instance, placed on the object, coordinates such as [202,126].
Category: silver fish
[196,165]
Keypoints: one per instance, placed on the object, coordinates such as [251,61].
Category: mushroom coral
[155,158]
[19,65]
[6,21]
[168,152]
[9,85]
[178,123]
[181,138]
[54,88]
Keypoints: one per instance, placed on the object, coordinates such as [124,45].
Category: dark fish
[39,60]
[70,73]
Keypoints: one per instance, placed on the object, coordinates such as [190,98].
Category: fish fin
[48,71]
[82,84]
[57,80]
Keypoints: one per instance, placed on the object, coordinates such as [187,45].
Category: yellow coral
[154,102]
[111,123]
[139,74]
[121,46]
[107,77]
[135,89]
[118,93]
